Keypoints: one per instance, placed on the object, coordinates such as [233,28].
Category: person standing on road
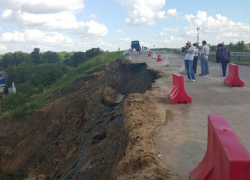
[204,59]
[189,56]
[223,57]
[196,54]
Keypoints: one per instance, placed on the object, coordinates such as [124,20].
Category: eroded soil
[105,130]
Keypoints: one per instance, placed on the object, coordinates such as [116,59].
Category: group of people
[192,54]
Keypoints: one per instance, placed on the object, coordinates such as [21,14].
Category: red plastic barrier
[226,157]
[178,94]
[149,54]
[159,58]
[233,80]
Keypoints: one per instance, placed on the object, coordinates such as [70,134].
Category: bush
[12,101]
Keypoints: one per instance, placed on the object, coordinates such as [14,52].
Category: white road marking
[222,81]
[244,67]
[213,78]
[246,88]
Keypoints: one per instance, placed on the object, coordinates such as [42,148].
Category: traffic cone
[159,58]
[154,56]
[149,54]
[166,62]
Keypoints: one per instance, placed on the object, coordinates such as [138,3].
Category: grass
[66,83]
[243,60]
[175,51]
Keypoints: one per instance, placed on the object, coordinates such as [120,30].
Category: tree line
[34,72]
[240,46]
[36,57]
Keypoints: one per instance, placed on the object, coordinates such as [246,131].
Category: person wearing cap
[196,54]
[189,56]
[204,59]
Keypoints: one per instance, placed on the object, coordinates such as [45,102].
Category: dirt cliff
[103,131]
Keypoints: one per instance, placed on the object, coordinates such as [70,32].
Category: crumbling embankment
[103,131]
[143,114]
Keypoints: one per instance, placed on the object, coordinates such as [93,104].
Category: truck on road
[135,45]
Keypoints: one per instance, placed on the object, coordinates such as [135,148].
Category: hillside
[101,129]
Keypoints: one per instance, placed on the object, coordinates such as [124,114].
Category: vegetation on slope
[36,83]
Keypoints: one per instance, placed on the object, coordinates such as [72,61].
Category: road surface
[182,142]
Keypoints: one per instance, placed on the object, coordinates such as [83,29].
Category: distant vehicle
[2,81]
[135,45]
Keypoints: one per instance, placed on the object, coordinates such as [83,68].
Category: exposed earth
[105,130]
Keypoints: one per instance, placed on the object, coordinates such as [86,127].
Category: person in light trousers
[189,56]
[204,59]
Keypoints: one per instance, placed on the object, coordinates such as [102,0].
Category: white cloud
[219,26]
[90,28]
[123,43]
[92,16]
[122,40]
[58,21]
[145,11]
[213,29]
[119,31]
[2,47]
[174,39]
[172,42]
[37,36]
[88,42]
[43,6]
[58,15]
[175,30]
[144,44]
[12,37]
[161,34]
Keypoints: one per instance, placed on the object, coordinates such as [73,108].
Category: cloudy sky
[78,25]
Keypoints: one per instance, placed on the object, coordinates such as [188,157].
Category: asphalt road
[182,142]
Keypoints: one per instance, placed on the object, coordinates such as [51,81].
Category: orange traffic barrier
[159,58]
[149,54]
[226,157]
[233,79]
[178,94]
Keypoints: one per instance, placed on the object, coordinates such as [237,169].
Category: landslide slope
[101,131]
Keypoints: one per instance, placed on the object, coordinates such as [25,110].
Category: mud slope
[83,135]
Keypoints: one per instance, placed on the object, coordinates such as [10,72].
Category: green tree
[35,56]
[93,52]
[231,46]
[240,46]
[78,58]
[50,57]
[1,62]
[8,60]
[47,74]
[19,74]
[12,76]
[12,101]
[20,57]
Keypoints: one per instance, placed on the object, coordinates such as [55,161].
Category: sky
[79,25]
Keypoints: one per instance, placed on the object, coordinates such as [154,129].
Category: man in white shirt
[189,56]
[196,54]
[204,59]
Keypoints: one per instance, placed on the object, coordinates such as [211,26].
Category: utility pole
[198,34]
